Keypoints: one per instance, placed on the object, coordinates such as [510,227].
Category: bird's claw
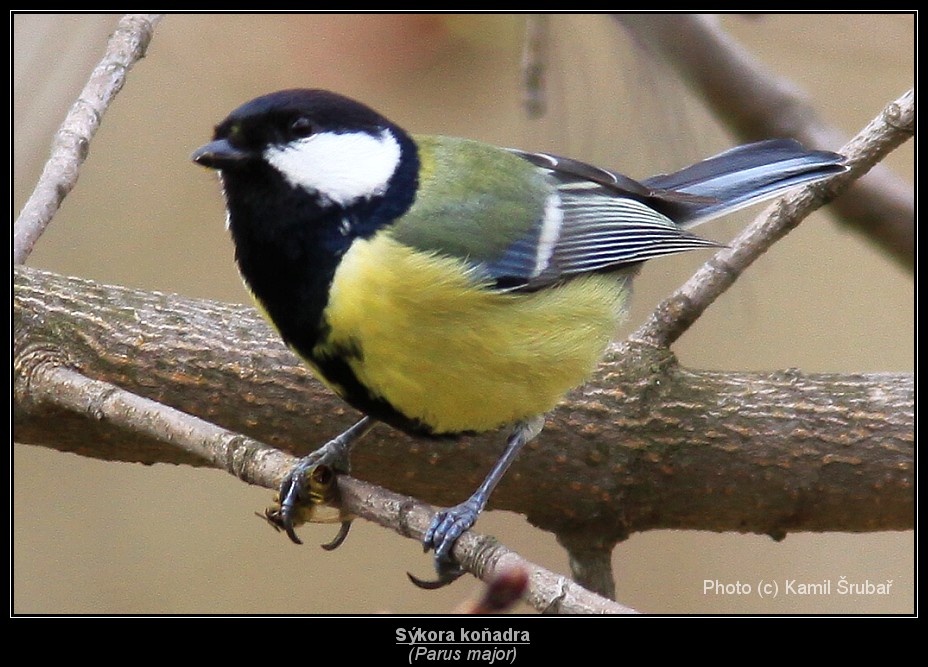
[448,573]
[296,493]
[339,538]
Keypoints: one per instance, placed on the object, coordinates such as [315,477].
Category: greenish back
[474,199]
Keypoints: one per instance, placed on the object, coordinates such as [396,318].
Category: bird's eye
[301,127]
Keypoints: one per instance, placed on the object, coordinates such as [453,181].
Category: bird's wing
[609,220]
[538,218]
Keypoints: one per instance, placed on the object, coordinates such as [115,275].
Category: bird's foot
[309,493]
[446,527]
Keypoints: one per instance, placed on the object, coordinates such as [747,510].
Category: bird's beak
[219,154]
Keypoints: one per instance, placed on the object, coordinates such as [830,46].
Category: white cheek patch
[341,168]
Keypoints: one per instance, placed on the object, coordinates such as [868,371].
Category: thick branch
[645,445]
[71,143]
[756,104]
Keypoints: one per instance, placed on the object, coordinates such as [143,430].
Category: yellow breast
[456,356]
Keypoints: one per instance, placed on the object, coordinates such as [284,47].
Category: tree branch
[646,444]
[71,143]
[755,104]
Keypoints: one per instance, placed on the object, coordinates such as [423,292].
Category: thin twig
[256,463]
[72,141]
[756,104]
[244,457]
[535,64]
[893,126]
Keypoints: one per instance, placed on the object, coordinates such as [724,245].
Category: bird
[445,286]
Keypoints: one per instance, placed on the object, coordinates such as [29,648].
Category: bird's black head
[319,156]
[277,119]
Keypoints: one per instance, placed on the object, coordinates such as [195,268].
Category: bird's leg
[448,525]
[297,489]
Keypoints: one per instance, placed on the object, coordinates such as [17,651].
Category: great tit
[445,286]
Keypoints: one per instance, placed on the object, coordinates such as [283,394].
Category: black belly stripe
[335,368]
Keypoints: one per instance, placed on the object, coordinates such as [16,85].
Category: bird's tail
[739,177]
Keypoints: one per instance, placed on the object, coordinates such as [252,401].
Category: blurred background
[95,537]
